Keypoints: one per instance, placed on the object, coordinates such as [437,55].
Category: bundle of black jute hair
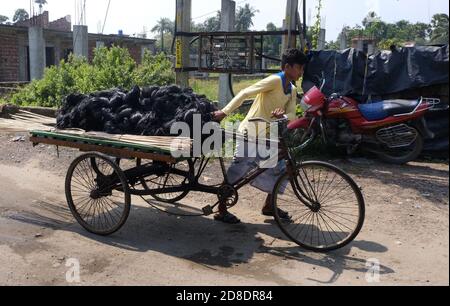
[150,111]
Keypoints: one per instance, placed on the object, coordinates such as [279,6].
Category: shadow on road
[204,241]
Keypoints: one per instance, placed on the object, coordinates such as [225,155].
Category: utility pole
[321,42]
[228,17]
[183,9]
[289,41]
[80,33]
[343,40]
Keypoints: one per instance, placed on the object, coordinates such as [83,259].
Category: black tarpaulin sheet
[351,72]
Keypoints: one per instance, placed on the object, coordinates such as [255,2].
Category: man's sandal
[281,213]
[227,218]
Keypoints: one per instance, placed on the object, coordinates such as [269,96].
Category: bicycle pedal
[207,210]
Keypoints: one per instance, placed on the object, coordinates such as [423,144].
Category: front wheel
[326,207]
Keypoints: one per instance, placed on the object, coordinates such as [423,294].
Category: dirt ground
[406,231]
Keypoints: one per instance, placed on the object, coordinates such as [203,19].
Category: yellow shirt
[270,95]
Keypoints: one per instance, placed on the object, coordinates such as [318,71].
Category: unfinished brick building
[58,43]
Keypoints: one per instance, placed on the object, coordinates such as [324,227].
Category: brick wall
[134,49]
[61,24]
[92,45]
[9,56]
[39,20]
[135,52]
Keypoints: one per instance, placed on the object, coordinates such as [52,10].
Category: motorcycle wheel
[299,138]
[400,156]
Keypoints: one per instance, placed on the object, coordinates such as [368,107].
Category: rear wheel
[176,175]
[96,167]
[98,196]
[402,155]
[325,206]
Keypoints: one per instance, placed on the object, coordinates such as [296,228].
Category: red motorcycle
[392,129]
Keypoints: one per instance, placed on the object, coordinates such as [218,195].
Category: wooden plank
[167,143]
[112,143]
[122,153]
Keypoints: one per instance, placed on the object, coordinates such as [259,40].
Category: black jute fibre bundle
[150,111]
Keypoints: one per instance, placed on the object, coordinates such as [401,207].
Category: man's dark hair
[293,56]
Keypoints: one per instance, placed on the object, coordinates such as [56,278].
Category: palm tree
[41,3]
[244,17]
[164,25]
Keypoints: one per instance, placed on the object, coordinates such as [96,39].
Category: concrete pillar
[37,52]
[58,51]
[23,61]
[370,49]
[183,9]
[360,45]
[23,58]
[343,41]
[228,14]
[80,40]
[289,41]
[321,42]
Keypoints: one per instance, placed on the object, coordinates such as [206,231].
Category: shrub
[154,70]
[234,118]
[114,68]
[111,68]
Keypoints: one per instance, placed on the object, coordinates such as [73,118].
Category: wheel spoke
[330,223]
[99,211]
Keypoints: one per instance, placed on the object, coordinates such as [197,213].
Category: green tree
[272,44]
[3,19]
[212,24]
[115,67]
[41,3]
[332,45]
[404,30]
[370,18]
[196,27]
[163,26]
[20,15]
[315,31]
[244,17]
[374,27]
[398,33]
[439,25]
[385,44]
[422,31]
[154,70]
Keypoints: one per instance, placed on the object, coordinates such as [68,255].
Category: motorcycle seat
[383,109]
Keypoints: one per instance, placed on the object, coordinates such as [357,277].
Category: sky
[135,16]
